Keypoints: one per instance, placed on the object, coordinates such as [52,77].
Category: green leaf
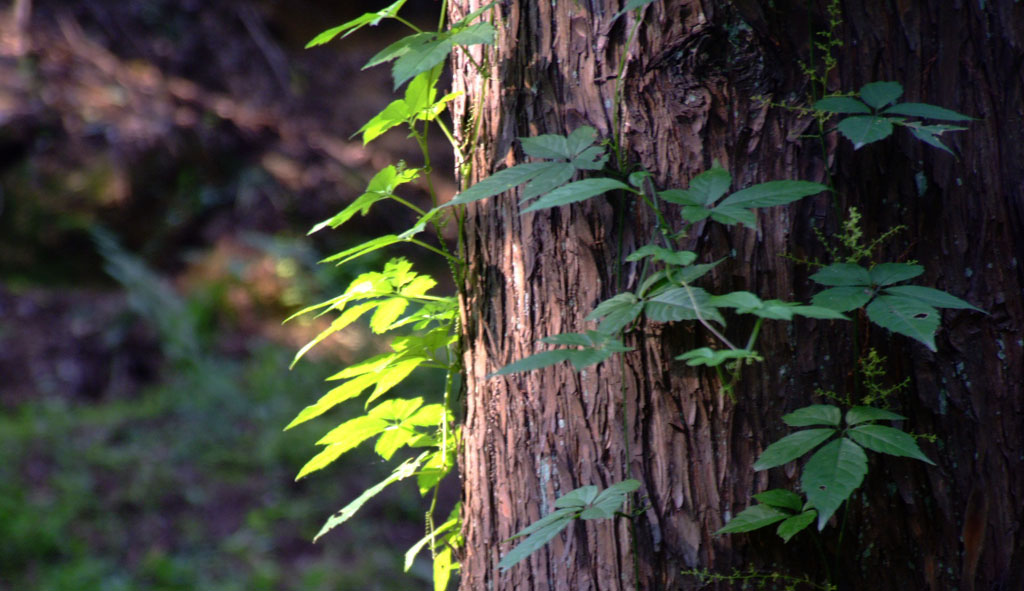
[609,500]
[791,447]
[617,312]
[477,34]
[795,524]
[743,300]
[831,476]
[880,94]
[443,567]
[815,414]
[824,313]
[394,375]
[387,312]
[631,5]
[772,193]
[729,215]
[549,146]
[932,297]
[583,358]
[349,389]
[842,274]
[393,438]
[859,414]
[927,134]
[713,358]
[580,140]
[569,338]
[407,469]
[499,182]
[579,497]
[708,186]
[843,299]
[751,518]
[370,18]
[540,533]
[926,111]
[842,104]
[535,361]
[681,303]
[399,48]
[355,431]
[593,158]
[780,498]
[693,272]
[577,191]
[393,115]
[419,59]
[659,253]
[373,245]
[555,175]
[889,273]
[863,129]
[322,459]
[415,549]
[682,197]
[907,316]
[888,440]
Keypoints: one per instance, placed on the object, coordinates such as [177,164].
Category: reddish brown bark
[688,87]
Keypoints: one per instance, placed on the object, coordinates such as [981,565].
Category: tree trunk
[688,99]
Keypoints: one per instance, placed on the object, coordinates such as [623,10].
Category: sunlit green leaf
[791,447]
[398,49]
[355,431]
[420,58]
[349,389]
[831,476]
[407,469]
[907,316]
[393,376]
[888,440]
[370,18]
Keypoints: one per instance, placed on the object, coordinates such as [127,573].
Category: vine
[566,169]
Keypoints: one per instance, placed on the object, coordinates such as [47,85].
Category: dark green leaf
[730,215]
[744,300]
[553,524]
[583,358]
[929,137]
[831,476]
[863,129]
[617,312]
[577,191]
[499,182]
[569,338]
[632,5]
[580,140]
[681,197]
[842,274]
[553,176]
[889,273]
[420,58]
[859,414]
[843,299]
[693,272]
[772,193]
[888,440]
[927,111]
[842,104]
[549,146]
[580,497]
[932,297]
[610,500]
[880,94]
[824,313]
[399,48]
[906,316]
[680,258]
[708,186]
[681,303]
[712,358]
[795,524]
[751,518]
[791,447]
[780,498]
[815,414]
[593,158]
[535,361]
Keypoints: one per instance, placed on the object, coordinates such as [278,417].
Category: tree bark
[688,99]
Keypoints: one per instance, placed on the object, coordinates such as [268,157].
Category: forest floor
[140,418]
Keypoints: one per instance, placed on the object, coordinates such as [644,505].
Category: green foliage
[586,502]
[872,116]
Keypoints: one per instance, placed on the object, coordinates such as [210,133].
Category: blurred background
[160,164]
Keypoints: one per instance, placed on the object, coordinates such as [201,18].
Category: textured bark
[688,87]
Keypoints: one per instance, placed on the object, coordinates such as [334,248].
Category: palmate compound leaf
[926,111]
[889,273]
[843,299]
[842,274]
[609,500]
[791,447]
[880,94]
[370,18]
[405,470]
[831,476]
[780,498]
[436,534]
[842,104]
[617,312]
[713,358]
[932,297]
[751,518]
[906,316]
[888,440]
[681,303]
[499,182]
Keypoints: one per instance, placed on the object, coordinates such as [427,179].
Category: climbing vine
[561,170]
